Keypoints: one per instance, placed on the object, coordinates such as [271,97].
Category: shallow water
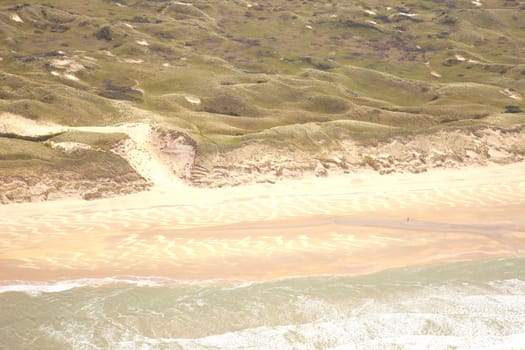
[468,305]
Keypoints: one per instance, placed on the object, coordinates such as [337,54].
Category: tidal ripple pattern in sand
[204,233]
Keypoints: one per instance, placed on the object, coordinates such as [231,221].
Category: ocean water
[467,305]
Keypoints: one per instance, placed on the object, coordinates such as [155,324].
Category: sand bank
[350,224]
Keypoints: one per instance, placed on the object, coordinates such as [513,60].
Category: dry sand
[349,224]
[352,224]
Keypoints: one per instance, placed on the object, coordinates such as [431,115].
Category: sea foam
[38,287]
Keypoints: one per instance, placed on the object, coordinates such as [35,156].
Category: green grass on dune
[298,73]
[29,160]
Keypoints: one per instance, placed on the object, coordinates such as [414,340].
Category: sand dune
[140,149]
[341,225]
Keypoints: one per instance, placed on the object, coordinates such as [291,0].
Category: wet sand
[346,225]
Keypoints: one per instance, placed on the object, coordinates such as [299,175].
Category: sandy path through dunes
[351,224]
[139,149]
[141,154]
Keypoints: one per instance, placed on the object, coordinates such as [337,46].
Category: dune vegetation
[298,75]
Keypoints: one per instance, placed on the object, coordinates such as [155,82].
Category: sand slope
[350,224]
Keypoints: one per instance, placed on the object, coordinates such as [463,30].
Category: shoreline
[342,225]
[64,284]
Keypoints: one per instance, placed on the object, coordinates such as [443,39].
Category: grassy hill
[234,72]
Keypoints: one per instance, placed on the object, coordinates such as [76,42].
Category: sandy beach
[340,225]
